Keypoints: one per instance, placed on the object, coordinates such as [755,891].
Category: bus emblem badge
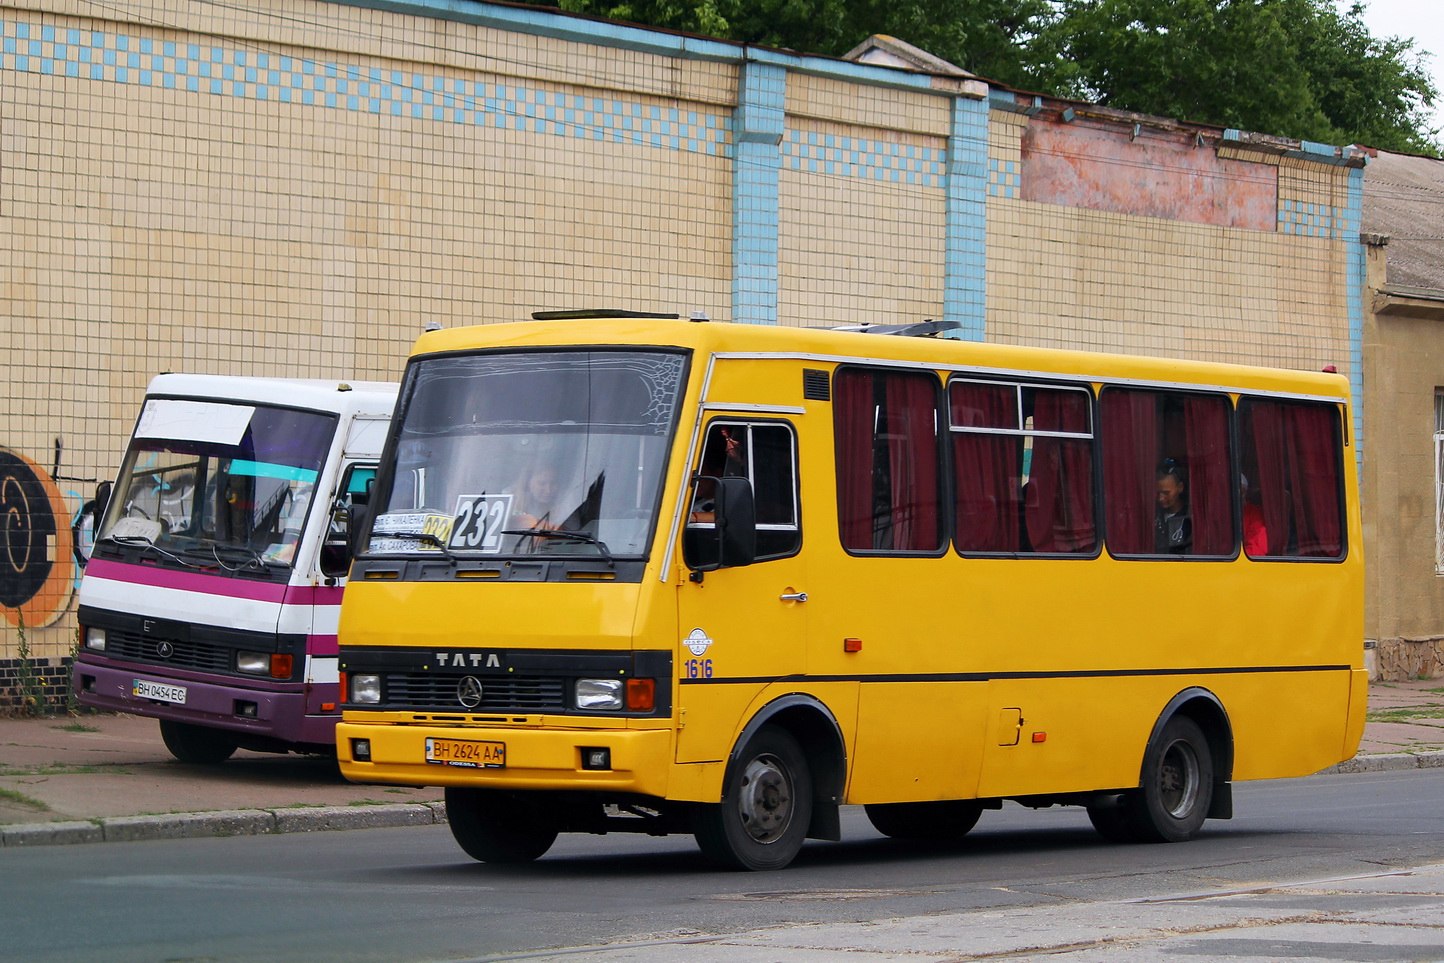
[468,692]
[164,649]
[697,642]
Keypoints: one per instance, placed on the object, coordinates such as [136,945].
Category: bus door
[742,626]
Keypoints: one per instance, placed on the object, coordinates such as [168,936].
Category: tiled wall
[295,188]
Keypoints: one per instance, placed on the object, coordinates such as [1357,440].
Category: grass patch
[1405,714]
[19,798]
[77,727]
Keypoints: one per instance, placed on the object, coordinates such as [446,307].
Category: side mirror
[356,521]
[729,537]
[101,503]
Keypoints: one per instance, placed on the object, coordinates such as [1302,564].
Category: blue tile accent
[965,280]
[249,75]
[756,135]
[860,157]
[1357,277]
[1315,220]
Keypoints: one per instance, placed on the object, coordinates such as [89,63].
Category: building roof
[1404,200]
[885,51]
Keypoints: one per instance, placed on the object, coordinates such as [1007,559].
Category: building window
[1439,481]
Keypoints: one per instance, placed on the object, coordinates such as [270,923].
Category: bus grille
[183,655]
[407,690]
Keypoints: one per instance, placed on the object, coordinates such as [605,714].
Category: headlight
[95,639]
[256,663]
[366,688]
[599,693]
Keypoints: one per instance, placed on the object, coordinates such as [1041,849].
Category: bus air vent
[815,386]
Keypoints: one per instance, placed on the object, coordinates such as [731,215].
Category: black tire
[198,745]
[1177,787]
[766,805]
[1114,819]
[943,822]
[495,826]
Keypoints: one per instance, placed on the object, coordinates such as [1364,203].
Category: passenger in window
[1172,526]
[537,502]
[724,456]
[1255,534]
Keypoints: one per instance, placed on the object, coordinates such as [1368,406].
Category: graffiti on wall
[39,565]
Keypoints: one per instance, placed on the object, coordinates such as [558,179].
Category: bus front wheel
[198,745]
[495,826]
[766,805]
[944,821]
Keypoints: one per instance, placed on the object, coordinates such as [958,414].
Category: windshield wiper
[249,556]
[144,543]
[567,534]
[425,538]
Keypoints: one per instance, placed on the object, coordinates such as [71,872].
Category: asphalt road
[411,895]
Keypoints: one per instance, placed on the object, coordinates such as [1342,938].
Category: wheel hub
[765,803]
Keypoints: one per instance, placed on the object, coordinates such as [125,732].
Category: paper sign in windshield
[411,525]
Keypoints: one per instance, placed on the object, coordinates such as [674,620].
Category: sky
[1422,20]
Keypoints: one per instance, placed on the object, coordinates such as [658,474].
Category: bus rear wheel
[766,805]
[495,826]
[944,821]
[1174,796]
[1177,788]
[198,745]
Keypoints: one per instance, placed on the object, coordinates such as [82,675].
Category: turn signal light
[641,694]
[280,666]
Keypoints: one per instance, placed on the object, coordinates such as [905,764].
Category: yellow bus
[633,573]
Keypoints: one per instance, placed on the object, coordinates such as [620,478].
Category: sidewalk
[109,778]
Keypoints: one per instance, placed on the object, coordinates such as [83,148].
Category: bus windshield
[217,485]
[542,452]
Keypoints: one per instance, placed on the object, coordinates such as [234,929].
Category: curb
[236,822]
[263,822]
[1387,762]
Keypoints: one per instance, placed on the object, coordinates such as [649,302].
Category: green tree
[981,36]
[1295,68]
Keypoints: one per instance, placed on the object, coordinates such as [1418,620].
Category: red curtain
[1210,488]
[986,467]
[1264,421]
[912,432]
[1130,451]
[1313,462]
[854,411]
[895,415]
[1059,506]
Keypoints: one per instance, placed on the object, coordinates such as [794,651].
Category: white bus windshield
[543,452]
[210,484]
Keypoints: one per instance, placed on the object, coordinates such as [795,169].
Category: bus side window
[1291,460]
[1022,460]
[1168,483]
[764,453]
[889,473]
[335,550]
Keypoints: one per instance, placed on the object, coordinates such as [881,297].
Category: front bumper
[277,715]
[535,758]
